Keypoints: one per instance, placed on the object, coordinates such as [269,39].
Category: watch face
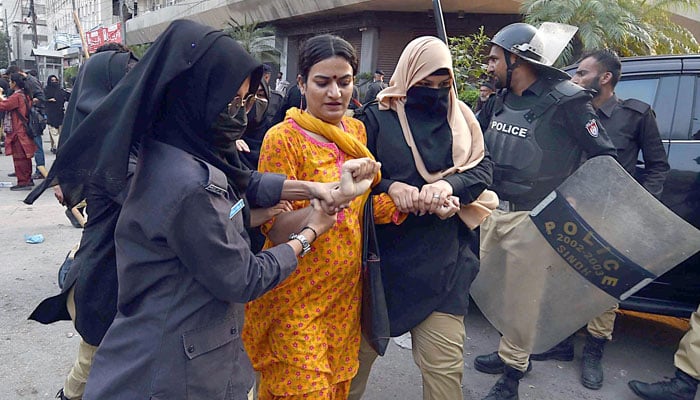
[305,246]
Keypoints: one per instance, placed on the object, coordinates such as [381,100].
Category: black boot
[682,387]
[492,364]
[564,351]
[61,396]
[592,369]
[506,388]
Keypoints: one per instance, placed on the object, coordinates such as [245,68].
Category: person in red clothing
[18,144]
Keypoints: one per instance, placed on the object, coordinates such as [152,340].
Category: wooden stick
[79,26]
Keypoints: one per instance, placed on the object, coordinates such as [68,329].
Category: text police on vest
[508,128]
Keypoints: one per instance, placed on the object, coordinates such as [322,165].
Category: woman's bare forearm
[288,223]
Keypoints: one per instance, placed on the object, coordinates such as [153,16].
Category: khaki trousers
[599,327]
[602,326]
[438,351]
[74,387]
[687,358]
[54,134]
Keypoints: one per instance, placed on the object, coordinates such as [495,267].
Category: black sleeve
[469,184]
[38,93]
[264,189]
[655,159]
[583,123]
[372,127]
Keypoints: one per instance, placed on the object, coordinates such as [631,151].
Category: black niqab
[203,67]
[426,112]
[52,89]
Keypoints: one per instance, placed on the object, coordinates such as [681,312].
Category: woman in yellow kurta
[304,336]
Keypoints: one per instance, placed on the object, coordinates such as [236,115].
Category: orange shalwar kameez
[304,335]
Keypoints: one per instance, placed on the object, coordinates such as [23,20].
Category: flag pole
[439,21]
[441,32]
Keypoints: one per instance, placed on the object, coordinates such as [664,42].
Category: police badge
[592,127]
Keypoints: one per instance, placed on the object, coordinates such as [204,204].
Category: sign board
[97,37]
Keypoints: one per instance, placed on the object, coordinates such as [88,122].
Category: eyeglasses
[235,105]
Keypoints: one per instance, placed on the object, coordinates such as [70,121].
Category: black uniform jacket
[561,131]
[427,263]
[184,269]
[631,125]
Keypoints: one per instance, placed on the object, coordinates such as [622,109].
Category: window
[695,120]
[641,89]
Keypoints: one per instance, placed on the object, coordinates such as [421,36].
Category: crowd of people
[21,95]
[214,200]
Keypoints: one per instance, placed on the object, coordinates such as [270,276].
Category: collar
[609,106]
[536,89]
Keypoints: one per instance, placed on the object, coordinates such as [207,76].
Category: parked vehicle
[671,85]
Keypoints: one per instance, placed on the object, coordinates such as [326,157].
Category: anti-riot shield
[596,240]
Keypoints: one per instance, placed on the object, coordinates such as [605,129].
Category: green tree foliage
[250,35]
[69,74]
[468,53]
[630,27]
[140,49]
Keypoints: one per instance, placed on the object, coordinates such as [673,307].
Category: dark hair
[609,60]
[112,46]
[48,80]
[18,79]
[13,69]
[323,47]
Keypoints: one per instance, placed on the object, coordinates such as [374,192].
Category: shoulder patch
[592,128]
[636,105]
[217,182]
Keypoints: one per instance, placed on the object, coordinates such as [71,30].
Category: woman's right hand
[404,196]
[449,208]
[320,220]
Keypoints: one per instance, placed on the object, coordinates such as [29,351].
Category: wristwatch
[305,246]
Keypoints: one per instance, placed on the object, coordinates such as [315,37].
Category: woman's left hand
[434,195]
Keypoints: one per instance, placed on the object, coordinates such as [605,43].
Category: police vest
[511,138]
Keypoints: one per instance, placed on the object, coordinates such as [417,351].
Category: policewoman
[538,129]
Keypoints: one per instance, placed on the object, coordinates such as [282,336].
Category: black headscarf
[52,89]
[185,79]
[97,77]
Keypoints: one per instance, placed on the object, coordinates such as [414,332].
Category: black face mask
[227,129]
[425,100]
[426,112]
[257,113]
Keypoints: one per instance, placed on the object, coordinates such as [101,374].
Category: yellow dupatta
[347,143]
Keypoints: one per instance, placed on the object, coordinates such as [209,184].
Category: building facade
[379,29]
[17,15]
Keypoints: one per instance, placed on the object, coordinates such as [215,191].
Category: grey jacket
[184,268]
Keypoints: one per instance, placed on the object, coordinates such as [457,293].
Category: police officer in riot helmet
[538,129]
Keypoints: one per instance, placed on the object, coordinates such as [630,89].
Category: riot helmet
[540,47]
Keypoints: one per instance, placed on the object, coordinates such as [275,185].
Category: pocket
[211,356]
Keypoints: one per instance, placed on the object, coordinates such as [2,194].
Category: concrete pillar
[281,44]
[292,59]
[370,49]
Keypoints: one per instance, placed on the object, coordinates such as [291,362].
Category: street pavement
[35,358]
